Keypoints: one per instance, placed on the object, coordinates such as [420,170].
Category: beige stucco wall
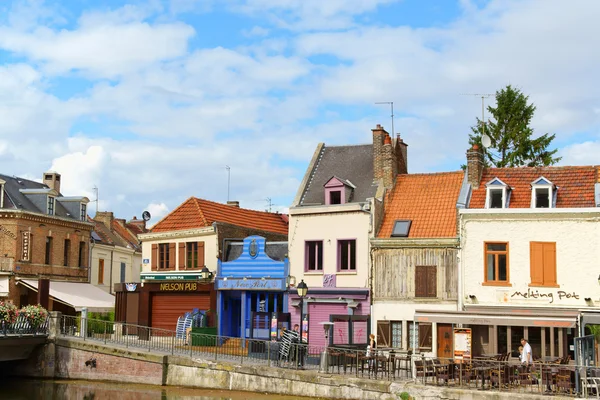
[132,260]
[330,227]
[577,237]
[207,235]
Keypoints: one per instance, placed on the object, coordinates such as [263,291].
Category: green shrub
[405,396]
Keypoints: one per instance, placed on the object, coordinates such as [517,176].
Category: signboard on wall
[171,277]
[462,345]
[274,327]
[250,284]
[26,246]
[305,329]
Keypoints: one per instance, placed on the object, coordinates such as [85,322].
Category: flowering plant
[35,315]
[8,312]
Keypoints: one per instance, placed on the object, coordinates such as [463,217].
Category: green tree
[511,135]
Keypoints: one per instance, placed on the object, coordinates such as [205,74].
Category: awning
[3,286]
[590,318]
[77,295]
[508,317]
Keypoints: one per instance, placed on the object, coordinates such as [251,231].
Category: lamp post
[302,290]
[205,274]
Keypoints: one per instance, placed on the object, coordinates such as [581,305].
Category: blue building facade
[251,284]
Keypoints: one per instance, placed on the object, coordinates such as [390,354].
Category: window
[82,262]
[543,263]
[101,271]
[2,193]
[497,194]
[401,228]
[48,257]
[123,267]
[67,252]
[50,205]
[83,212]
[314,255]
[389,334]
[422,333]
[192,255]
[347,255]
[335,197]
[163,256]
[542,193]
[425,281]
[496,263]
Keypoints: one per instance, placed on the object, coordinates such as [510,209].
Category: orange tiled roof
[575,185]
[198,213]
[428,200]
[123,231]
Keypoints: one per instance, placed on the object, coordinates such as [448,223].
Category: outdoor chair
[422,370]
[563,380]
[442,371]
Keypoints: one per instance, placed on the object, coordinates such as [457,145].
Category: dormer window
[338,191]
[543,193]
[83,212]
[51,202]
[497,195]
[2,193]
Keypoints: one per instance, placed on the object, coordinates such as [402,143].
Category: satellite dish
[486,141]
[146,216]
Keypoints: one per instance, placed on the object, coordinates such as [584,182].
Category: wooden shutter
[154,257]
[383,333]
[536,250]
[425,337]
[549,253]
[431,281]
[182,254]
[200,254]
[420,281]
[172,263]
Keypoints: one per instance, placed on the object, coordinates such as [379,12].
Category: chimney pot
[475,147]
[233,203]
[387,140]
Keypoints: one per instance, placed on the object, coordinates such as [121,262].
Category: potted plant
[8,313]
[34,314]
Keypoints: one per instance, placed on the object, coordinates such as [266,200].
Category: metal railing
[558,376]
[23,327]
[334,360]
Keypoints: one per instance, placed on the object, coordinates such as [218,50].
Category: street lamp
[302,290]
[205,274]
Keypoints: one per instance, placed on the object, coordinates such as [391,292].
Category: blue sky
[150,100]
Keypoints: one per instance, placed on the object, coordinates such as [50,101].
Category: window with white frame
[2,193]
[83,212]
[542,193]
[51,203]
[497,194]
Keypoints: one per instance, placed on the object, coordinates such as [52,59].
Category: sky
[151,101]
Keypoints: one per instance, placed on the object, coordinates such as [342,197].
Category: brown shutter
[420,281]
[154,257]
[172,256]
[182,255]
[537,263]
[549,254]
[200,254]
[425,337]
[431,281]
[383,333]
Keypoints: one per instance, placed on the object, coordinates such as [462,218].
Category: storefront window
[502,339]
[535,341]
[515,339]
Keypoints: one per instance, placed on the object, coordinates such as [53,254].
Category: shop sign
[250,284]
[178,287]
[172,277]
[462,345]
[536,294]
[131,287]
[25,245]
[7,232]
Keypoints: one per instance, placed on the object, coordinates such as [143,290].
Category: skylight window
[401,228]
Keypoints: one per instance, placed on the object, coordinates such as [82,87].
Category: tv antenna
[268,200]
[391,103]
[228,168]
[486,141]
[95,189]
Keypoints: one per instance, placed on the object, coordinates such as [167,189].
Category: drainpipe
[92,242]
[110,288]
[460,289]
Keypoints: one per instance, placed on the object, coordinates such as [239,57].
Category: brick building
[43,234]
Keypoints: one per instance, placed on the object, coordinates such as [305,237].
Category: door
[445,344]
[235,323]
[167,307]
[132,312]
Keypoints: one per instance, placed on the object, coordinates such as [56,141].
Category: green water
[30,389]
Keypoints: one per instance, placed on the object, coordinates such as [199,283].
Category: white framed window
[543,193]
[51,203]
[83,212]
[497,194]
[2,193]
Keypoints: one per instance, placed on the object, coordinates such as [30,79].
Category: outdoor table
[481,368]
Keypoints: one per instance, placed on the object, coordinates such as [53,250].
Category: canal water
[31,389]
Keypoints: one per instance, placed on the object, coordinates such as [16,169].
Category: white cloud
[157,212]
[585,153]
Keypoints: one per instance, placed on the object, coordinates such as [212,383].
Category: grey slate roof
[275,250]
[352,163]
[14,199]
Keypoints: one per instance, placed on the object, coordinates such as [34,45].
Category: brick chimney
[379,135]
[138,222]
[390,166]
[52,180]
[233,203]
[401,152]
[474,166]
[106,217]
